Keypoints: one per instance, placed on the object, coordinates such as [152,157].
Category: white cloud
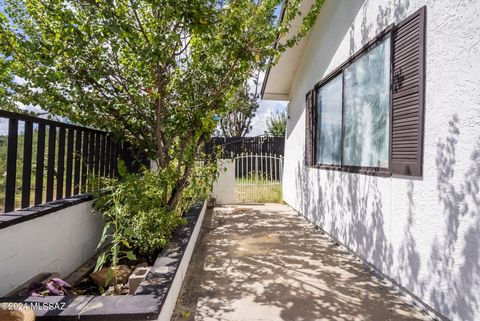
[266,107]
[259,122]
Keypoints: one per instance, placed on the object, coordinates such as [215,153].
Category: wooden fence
[235,146]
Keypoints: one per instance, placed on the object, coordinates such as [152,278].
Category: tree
[241,110]
[153,72]
[277,124]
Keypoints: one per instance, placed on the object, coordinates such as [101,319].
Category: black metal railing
[49,160]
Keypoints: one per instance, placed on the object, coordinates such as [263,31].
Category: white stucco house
[383,140]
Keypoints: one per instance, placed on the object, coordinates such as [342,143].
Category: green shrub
[138,202]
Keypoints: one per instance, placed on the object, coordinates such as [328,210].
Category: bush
[135,208]
[136,202]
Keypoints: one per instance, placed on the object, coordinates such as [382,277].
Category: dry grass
[263,192]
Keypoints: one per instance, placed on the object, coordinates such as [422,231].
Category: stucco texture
[424,233]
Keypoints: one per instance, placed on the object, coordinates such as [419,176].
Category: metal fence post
[256,169]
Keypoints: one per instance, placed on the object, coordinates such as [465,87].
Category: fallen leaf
[186,314]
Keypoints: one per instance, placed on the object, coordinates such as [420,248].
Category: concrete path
[264,262]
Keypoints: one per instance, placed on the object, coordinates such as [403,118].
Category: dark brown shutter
[406,150]
[309,132]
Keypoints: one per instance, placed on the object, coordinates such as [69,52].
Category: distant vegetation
[18,180]
[277,124]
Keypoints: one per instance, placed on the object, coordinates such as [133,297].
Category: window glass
[329,128]
[366,110]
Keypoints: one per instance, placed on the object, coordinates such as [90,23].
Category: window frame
[376,171]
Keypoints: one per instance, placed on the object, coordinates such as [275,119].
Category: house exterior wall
[57,242]
[423,233]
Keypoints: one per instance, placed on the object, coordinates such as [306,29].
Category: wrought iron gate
[258,178]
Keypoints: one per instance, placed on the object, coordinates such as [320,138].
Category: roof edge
[281,91]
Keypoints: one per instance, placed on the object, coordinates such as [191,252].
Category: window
[353,112]
[366,108]
[329,130]
[367,115]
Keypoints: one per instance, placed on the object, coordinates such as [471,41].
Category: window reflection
[355,105]
[366,109]
[329,129]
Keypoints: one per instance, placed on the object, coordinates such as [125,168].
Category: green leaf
[122,168]
[131,256]
[186,314]
[108,276]
[100,261]
[104,234]
[115,250]
[125,242]
[129,231]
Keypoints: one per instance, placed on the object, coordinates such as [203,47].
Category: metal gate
[258,178]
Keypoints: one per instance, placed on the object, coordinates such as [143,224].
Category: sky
[259,123]
[265,109]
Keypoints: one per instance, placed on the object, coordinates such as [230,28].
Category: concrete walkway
[264,262]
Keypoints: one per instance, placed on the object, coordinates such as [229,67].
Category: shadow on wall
[408,257]
[385,16]
[454,258]
[356,201]
[460,199]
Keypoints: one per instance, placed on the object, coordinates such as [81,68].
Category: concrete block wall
[57,242]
